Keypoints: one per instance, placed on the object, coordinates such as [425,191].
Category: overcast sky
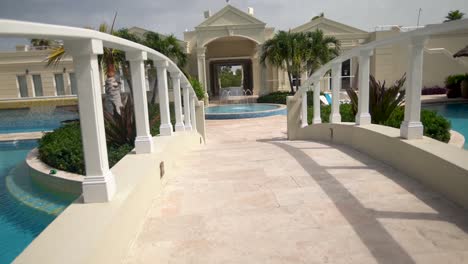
[175,16]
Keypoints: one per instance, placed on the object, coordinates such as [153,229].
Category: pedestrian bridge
[267,190]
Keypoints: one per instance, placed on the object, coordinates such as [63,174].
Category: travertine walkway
[250,196]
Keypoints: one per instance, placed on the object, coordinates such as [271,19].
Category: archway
[236,52]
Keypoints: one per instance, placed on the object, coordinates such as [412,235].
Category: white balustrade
[144,140]
[335,116]
[412,128]
[187,113]
[363,117]
[84,45]
[175,76]
[193,115]
[304,116]
[317,119]
[165,129]
[99,183]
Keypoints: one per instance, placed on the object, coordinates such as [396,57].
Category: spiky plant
[382,100]
[120,127]
[454,15]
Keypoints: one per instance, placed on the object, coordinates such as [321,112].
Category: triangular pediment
[230,16]
[328,26]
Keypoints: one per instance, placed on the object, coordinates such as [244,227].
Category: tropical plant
[382,100]
[120,126]
[43,44]
[299,52]
[167,45]
[197,87]
[110,60]
[454,15]
[319,16]
[319,49]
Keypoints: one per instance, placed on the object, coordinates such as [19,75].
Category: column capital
[201,51]
[418,41]
[84,47]
[161,64]
[366,52]
[175,74]
[136,55]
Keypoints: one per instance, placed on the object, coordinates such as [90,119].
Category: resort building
[231,37]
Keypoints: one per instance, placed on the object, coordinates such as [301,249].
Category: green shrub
[454,81]
[346,112]
[197,87]
[435,125]
[63,150]
[279,97]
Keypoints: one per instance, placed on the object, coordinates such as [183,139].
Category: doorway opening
[233,77]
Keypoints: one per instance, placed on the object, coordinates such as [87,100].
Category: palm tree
[319,49]
[110,60]
[299,52]
[285,51]
[167,45]
[42,44]
[454,15]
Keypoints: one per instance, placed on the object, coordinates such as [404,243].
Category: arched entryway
[237,52]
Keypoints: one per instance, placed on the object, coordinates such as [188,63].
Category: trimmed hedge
[435,125]
[62,148]
[279,97]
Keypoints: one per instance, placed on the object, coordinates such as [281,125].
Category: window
[23,85]
[74,88]
[59,85]
[37,85]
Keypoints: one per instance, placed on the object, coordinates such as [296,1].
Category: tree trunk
[112,88]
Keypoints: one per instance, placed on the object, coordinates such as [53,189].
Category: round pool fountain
[238,111]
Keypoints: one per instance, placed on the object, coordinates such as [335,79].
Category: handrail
[15,28]
[404,36]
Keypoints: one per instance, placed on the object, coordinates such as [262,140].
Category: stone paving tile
[251,196]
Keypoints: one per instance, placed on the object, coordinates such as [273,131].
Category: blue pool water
[238,111]
[20,224]
[25,120]
[239,108]
[457,113]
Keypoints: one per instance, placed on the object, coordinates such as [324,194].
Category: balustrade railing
[411,127]
[84,45]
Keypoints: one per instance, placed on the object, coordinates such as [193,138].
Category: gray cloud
[174,16]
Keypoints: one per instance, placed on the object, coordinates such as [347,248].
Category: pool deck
[251,196]
[21,136]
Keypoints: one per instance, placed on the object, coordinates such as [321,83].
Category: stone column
[304,117]
[317,119]
[99,183]
[412,128]
[187,119]
[30,85]
[144,140]
[179,126]
[335,116]
[166,127]
[67,83]
[201,62]
[193,116]
[363,117]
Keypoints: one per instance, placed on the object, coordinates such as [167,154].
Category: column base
[411,130]
[99,189]
[335,118]
[144,144]
[166,130]
[363,119]
[179,127]
[188,127]
[316,121]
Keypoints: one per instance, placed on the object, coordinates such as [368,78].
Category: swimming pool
[237,111]
[25,120]
[20,223]
[457,113]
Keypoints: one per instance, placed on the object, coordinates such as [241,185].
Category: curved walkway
[251,196]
